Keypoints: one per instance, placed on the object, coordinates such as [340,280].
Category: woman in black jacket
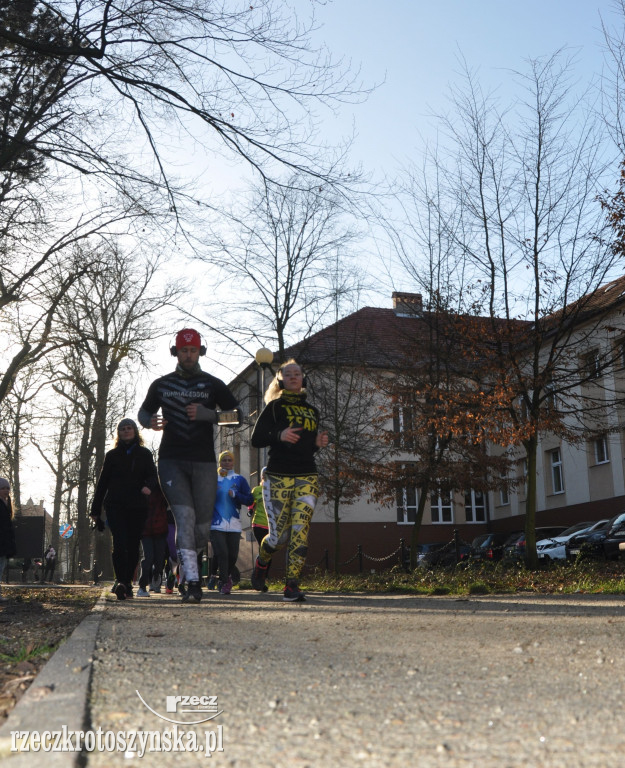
[7,533]
[127,478]
[289,426]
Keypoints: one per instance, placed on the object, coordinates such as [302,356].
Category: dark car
[514,546]
[445,556]
[423,550]
[614,537]
[489,546]
[589,543]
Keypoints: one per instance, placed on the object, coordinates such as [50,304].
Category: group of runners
[185,405]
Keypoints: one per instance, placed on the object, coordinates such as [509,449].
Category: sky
[411,48]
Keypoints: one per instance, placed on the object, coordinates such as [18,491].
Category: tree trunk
[531,558]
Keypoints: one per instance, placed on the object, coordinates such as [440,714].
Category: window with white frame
[475,506]
[601,450]
[403,425]
[551,400]
[557,476]
[504,496]
[407,503]
[591,364]
[442,508]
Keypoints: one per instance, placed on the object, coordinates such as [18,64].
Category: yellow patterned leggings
[289,503]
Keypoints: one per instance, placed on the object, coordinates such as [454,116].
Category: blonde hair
[274,388]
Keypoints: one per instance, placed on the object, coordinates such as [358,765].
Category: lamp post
[264,358]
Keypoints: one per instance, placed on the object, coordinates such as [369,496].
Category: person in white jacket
[232,491]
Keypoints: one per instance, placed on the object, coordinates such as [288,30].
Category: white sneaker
[142,592]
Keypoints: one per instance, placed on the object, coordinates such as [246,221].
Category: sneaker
[129,593]
[142,592]
[170,583]
[120,591]
[155,586]
[194,593]
[212,583]
[292,593]
[259,574]
[226,587]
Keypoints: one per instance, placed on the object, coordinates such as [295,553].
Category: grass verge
[585,577]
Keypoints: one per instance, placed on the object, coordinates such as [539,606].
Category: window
[403,420]
[551,399]
[557,478]
[442,509]
[591,365]
[601,450]
[504,496]
[407,503]
[475,506]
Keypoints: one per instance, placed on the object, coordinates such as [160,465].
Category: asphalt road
[371,681]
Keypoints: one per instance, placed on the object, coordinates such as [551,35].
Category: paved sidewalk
[373,681]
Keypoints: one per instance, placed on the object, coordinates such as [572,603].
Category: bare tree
[277,261]
[247,79]
[108,319]
[514,199]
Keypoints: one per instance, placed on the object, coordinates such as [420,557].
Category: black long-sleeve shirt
[289,410]
[184,439]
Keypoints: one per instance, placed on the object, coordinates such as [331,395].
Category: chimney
[407,304]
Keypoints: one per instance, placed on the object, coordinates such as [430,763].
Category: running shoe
[212,583]
[292,593]
[259,574]
[226,587]
[142,592]
[120,591]
[194,593]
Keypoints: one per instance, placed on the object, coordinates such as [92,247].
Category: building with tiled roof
[575,482]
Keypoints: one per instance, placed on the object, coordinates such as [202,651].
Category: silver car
[555,548]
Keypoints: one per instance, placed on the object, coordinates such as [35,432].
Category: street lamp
[264,358]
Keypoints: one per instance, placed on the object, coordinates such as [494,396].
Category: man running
[187,467]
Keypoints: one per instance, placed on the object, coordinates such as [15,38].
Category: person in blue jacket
[232,491]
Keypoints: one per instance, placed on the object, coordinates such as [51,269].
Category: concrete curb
[57,698]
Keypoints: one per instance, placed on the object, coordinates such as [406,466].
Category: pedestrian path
[365,680]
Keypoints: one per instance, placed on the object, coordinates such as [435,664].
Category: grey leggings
[190,488]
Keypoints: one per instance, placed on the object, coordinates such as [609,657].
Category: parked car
[489,546]
[553,548]
[588,543]
[423,550]
[514,546]
[445,556]
[615,535]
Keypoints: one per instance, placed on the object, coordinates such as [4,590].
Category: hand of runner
[291,434]
[322,439]
[157,423]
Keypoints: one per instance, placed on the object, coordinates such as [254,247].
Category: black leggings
[226,550]
[126,527]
